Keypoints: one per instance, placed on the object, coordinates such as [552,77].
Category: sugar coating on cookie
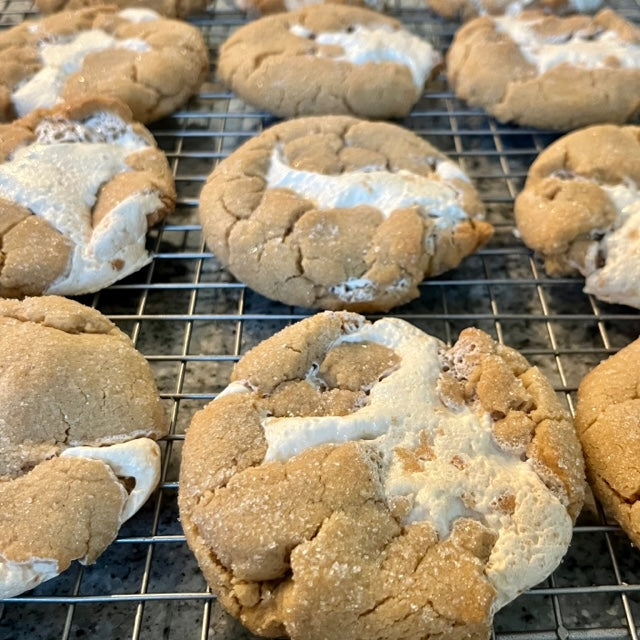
[467,9]
[78,406]
[608,424]
[97,51]
[343,427]
[587,69]
[580,209]
[329,59]
[133,8]
[335,212]
[95,182]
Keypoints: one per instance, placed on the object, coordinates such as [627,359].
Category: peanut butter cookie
[608,424]
[362,480]
[547,71]
[340,213]
[150,63]
[580,209]
[328,59]
[78,406]
[79,185]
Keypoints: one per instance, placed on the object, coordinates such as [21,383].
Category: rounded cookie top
[546,71]
[167,8]
[338,213]
[264,7]
[364,480]
[580,208]
[78,405]
[608,424]
[150,63]
[467,9]
[328,59]
[79,185]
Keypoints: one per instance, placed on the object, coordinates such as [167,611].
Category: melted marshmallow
[530,542]
[59,182]
[381,43]
[64,56]
[384,190]
[617,280]
[138,459]
[580,49]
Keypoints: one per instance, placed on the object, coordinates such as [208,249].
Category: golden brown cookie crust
[152,83]
[271,67]
[487,69]
[564,212]
[68,377]
[467,9]
[315,549]
[167,8]
[608,424]
[34,254]
[283,247]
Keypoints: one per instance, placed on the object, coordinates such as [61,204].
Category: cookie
[152,64]
[78,406]
[547,71]
[263,7]
[339,213]
[328,59]
[361,480]
[608,424]
[168,8]
[580,208]
[79,185]
[467,9]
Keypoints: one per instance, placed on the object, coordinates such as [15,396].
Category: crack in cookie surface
[365,508]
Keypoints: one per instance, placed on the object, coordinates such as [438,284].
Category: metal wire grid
[192,321]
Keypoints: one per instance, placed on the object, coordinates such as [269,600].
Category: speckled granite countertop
[191,320]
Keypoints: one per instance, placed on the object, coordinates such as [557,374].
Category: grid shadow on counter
[192,321]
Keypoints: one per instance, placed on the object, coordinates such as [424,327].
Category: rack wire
[192,321]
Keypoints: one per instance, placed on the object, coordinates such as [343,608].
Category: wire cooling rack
[192,321]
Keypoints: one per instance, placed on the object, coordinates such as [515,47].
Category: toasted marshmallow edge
[138,459]
[530,542]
